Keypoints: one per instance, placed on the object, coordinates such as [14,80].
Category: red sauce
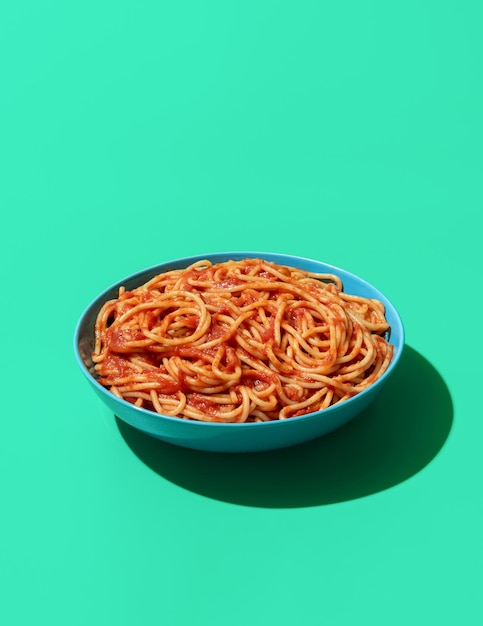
[269,332]
[215,331]
[256,378]
[191,321]
[188,352]
[229,283]
[297,315]
[230,360]
[248,296]
[116,366]
[203,404]
[119,338]
[291,393]
[167,386]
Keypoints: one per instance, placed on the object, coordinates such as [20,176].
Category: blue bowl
[247,437]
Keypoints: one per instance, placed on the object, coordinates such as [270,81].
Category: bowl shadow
[390,441]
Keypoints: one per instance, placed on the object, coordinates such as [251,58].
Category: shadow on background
[393,439]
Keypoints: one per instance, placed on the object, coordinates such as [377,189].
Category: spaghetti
[240,341]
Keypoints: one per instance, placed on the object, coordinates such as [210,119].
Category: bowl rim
[276,257]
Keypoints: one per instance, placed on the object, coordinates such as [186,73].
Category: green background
[137,132]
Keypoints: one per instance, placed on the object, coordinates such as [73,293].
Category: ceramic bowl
[246,437]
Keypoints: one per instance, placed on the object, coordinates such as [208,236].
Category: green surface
[136,132]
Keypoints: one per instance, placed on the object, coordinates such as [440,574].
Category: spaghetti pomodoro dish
[240,341]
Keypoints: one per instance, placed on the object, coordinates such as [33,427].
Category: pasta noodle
[240,341]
